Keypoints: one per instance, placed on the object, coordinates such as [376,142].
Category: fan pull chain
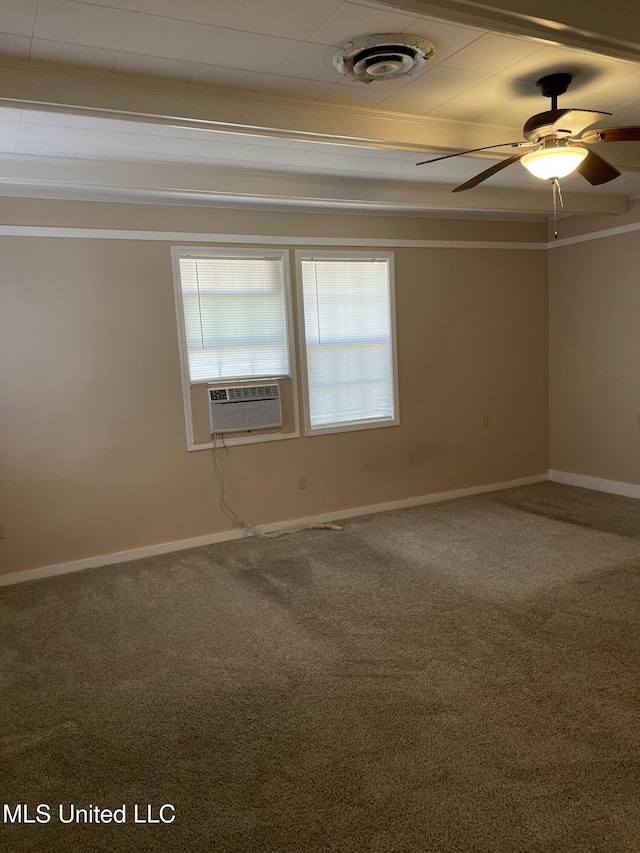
[557,194]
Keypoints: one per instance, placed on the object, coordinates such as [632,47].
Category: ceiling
[238,102]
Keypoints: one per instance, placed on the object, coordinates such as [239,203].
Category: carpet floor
[453,678]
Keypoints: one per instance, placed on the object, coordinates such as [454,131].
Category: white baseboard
[226,535]
[627,490]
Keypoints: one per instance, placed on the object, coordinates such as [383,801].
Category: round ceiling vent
[382,57]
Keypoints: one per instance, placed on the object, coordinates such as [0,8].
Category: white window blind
[234,317]
[349,341]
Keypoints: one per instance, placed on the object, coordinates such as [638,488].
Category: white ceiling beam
[601,26]
[100,95]
[221,110]
[196,185]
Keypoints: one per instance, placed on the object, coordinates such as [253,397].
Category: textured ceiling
[258,95]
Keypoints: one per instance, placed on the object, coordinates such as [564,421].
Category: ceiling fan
[554,142]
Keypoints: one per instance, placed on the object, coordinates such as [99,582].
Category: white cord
[226,508]
[238,521]
[557,195]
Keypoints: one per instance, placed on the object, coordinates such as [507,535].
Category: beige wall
[594,306]
[93,453]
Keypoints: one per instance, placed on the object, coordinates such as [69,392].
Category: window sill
[235,440]
[358,427]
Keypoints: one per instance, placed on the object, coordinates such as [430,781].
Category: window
[234,325]
[347,315]
[234,312]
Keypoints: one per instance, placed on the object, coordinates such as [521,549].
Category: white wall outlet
[302,482]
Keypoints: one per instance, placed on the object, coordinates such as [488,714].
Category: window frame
[178,252]
[326,254]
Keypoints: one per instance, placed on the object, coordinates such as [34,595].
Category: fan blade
[596,169]
[575,121]
[497,167]
[612,134]
[473,151]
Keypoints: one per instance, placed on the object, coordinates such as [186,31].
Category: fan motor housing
[539,125]
[382,57]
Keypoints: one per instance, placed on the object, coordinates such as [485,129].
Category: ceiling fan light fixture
[557,135]
[554,162]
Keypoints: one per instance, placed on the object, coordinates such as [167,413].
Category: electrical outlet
[1,529]
[485,422]
[639,420]
[302,482]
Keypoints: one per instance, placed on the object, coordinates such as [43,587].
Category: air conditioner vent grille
[383,57]
[255,392]
[244,408]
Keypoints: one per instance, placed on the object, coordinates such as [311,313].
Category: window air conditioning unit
[244,408]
